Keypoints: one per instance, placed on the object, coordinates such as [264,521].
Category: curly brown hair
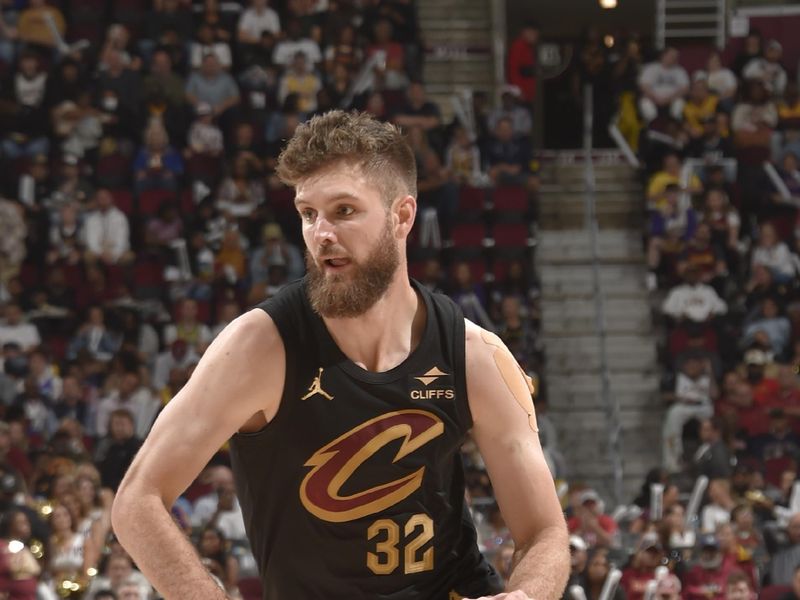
[379,149]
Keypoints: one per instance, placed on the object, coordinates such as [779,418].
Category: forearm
[542,568]
[160,550]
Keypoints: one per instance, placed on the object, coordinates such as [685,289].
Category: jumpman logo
[316,388]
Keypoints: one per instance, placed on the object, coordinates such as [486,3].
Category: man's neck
[387,333]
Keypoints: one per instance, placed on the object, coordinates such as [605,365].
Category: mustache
[327,251]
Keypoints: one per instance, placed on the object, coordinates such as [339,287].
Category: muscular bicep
[505,429]
[241,374]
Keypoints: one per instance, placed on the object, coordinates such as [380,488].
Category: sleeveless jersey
[355,489]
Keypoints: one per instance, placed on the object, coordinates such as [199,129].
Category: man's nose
[324,231]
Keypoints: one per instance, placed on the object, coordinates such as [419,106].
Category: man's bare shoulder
[252,331]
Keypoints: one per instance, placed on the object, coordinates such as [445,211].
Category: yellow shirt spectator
[696,112]
[33,28]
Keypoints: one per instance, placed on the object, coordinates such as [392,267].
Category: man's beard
[338,296]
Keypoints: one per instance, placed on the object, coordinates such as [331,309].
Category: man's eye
[346,211]
[308,215]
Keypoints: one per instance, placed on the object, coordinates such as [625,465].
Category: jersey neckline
[334,355]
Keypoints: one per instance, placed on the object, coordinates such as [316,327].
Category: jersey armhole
[460,361]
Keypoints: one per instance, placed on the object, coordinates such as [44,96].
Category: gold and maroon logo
[336,462]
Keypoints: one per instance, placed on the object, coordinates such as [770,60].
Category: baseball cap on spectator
[511,89]
[203,109]
[756,356]
[669,585]
[700,76]
[774,45]
[576,542]
[650,541]
[709,541]
[69,159]
[588,496]
[272,231]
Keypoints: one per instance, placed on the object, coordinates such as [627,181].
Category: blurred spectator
[392,70]
[701,255]
[15,330]
[418,111]
[700,105]
[668,588]
[299,80]
[118,571]
[275,247]
[663,85]
[158,165]
[469,295]
[707,578]
[242,192]
[578,561]
[794,593]
[589,522]
[132,396]
[692,300]
[212,546]
[522,59]
[718,509]
[595,574]
[255,20]
[205,137]
[783,567]
[178,355]
[107,232]
[768,69]
[212,85]
[295,42]
[463,158]
[206,43]
[119,84]
[642,567]
[115,451]
[163,85]
[25,135]
[12,240]
[508,158]
[754,119]
[750,49]
[737,587]
[721,81]
[67,547]
[767,324]
[773,255]
[188,328]
[509,107]
[93,337]
[669,175]
[694,391]
[713,458]
[35,22]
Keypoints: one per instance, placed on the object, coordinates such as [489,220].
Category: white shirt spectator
[24,334]
[107,232]
[697,302]
[255,22]
[777,258]
[712,516]
[693,390]
[770,73]
[664,82]
[206,506]
[197,51]
[205,138]
[285,50]
[722,82]
[142,404]
[166,361]
[231,524]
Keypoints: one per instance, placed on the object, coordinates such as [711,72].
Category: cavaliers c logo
[337,461]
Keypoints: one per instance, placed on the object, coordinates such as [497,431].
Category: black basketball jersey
[355,489]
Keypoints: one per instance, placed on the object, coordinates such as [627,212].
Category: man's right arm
[241,374]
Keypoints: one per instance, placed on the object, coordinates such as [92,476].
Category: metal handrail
[610,402]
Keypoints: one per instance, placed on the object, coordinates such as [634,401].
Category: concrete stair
[569,335]
[458,37]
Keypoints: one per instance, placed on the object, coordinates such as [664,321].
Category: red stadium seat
[471,199]
[467,235]
[123,200]
[515,235]
[281,201]
[114,170]
[204,167]
[773,592]
[250,588]
[510,199]
[151,200]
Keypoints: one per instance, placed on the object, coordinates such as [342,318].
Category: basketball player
[347,397]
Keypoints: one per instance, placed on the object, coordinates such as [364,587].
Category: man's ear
[405,213]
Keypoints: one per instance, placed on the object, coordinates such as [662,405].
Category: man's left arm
[505,429]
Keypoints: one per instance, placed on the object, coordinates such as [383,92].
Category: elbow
[122,512]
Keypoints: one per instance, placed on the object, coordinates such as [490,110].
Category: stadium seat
[204,167]
[250,588]
[151,200]
[468,240]
[510,199]
[114,170]
[123,200]
[773,592]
